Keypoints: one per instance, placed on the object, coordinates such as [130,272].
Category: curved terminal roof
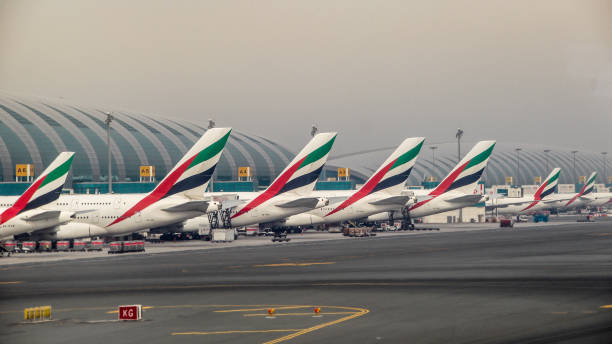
[503,162]
[35,130]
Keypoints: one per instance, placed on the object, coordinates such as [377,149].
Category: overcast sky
[376,71]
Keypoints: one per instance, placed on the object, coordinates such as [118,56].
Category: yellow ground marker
[291,264]
[606,306]
[9,282]
[232,332]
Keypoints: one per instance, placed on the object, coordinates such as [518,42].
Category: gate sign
[147,171]
[537,180]
[343,172]
[244,171]
[130,312]
[24,170]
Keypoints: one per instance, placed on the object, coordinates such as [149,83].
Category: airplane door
[138,217]
[95,218]
[117,203]
[75,204]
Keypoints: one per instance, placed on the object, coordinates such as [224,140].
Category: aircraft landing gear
[407,219]
[280,235]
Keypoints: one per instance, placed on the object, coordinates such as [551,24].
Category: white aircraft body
[30,211]
[383,191]
[457,190]
[601,199]
[581,199]
[178,197]
[540,200]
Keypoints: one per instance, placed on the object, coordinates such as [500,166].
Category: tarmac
[467,283]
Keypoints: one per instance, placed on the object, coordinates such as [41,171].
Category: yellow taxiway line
[197,333]
[295,314]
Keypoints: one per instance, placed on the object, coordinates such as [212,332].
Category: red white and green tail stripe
[300,176]
[587,188]
[190,176]
[466,174]
[391,175]
[548,187]
[45,189]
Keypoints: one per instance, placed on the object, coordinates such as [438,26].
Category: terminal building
[34,130]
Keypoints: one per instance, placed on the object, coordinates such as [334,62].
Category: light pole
[211,124]
[433,159]
[575,174]
[605,163]
[458,136]
[546,151]
[109,119]
[313,130]
[518,164]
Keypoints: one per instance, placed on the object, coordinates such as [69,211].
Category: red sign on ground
[131,312]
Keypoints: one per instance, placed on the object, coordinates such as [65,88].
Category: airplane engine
[70,230]
[213,206]
[322,202]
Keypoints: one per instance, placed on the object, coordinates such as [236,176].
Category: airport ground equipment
[540,218]
[126,246]
[28,246]
[45,245]
[506,223]
[79,245]
[223,235]
[280,236]
[62,245]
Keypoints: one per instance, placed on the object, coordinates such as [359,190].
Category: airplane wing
[465,198]
[40,215]
[304,202]
[188,206]
[398,200]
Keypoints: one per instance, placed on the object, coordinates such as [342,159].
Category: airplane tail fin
[549,185]
[190,176]
[589,185]
[467,173]
[45,189]
[300,176]
[393,173]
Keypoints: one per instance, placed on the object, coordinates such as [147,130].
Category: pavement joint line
[232,332]
[291,264]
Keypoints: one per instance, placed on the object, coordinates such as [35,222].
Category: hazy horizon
[377,72]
